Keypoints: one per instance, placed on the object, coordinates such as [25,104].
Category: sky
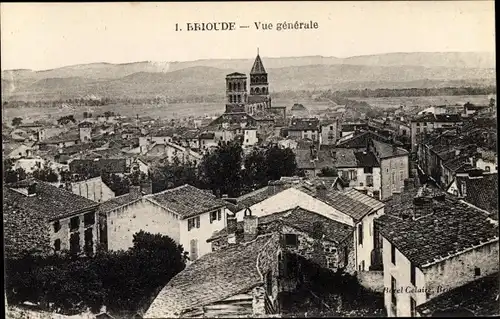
[42,36]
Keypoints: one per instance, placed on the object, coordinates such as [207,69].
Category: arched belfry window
[239,87]
[257,91]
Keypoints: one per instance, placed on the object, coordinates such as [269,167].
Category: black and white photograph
[261,159]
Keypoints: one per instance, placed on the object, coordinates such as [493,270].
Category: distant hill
[207,77]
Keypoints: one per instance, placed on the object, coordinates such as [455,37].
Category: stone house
[239,281]
[349,207]
[93,188]
[427,123]
[304,128]
[39,216]
[186,214]
[253,263]
[430,244]
[329,132]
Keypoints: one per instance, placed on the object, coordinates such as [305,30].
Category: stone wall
[373,280]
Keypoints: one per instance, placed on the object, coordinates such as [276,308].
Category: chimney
[232,227]
[135,192]
[32,189]
[250,224]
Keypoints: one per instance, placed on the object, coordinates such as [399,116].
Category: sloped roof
[301,219]
[349,204]
[213,277]
[448,228]
[384,150]
[187,200]
[116,202]
[361,140]
[237,74]
[480,191]
[301,124]
[26,217]
[258,66]
[479,296]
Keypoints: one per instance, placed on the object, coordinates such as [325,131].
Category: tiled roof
[26,217]
[253,99]
[341,201]
[365,199]
[345,158]
[301,219]
[366,159]
[207,135]
[361,140]
[447,228]
[384,150]
[109,165]
[479,296]
[116,202]
[456,163]
[480,191]
[305,160]
[187,200]
[211,278]
[302,124]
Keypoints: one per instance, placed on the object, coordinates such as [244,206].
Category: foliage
[9,174]
[173,174]
[115,279]
[66,119]
[119,185]
[220,170]
[17,121]
[46,174]
[329,172]
[87,115]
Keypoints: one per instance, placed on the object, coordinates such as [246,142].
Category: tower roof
[258,67]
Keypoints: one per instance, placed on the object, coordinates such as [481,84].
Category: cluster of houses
[425,240]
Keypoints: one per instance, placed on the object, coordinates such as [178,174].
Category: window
[219,214]
[291,240]
[412,274]
[413,306]
[193,222]
[360,234]
[89,242]
[331,127]
[401,176]
[362,265]
[487,168]
[57,226]
[213,216]
[393,254]
[346,256]
[369,180]
[477,271]
[74,242]
[394,301]
[368,170]
[57,245]
[194,249]
[74,223]
[89,219]
[393,178]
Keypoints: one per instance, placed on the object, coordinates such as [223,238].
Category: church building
[237,97]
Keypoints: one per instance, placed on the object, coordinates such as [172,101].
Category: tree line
[123,281]
[226,170]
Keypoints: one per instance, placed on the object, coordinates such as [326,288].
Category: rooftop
[258,66]
[350,202]
[479,296]
[213,277]
[302,124]
[481,191]
[26,217]
[444,228]
[301,219]
[187,200]
[384,150]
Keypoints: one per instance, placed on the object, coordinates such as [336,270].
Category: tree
[17,121]
[220,170]
[119,185]
[280,162]
[115,279]
[66,119]
[173,174]
[46,174]
[255,174]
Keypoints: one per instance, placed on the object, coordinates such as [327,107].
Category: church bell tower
[258,78]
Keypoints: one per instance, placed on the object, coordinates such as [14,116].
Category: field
[387,102]
[169,111]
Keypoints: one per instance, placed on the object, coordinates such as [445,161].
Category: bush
[122,280]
